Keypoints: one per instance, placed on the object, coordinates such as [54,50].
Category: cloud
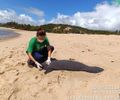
[9,15]
[105,16]
[22,18]
[41,21]
[35,11]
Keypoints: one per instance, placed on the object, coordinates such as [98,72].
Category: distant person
[39,49]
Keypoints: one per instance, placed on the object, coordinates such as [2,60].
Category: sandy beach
[91,68]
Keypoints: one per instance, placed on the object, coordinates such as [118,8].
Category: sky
[92,14]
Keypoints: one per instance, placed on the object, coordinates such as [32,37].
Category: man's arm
[48,47]
[31,57]
[49,53]
[39,66]
[48,61]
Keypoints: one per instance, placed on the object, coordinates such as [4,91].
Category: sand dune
[87,66]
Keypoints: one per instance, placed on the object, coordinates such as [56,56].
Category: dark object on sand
[70,66]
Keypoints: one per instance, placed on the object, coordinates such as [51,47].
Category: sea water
[4,33]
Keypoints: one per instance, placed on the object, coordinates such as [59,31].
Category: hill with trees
[57,28]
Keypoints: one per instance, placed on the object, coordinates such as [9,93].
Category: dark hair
[41,32]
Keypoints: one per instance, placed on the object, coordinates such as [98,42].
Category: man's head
[41,34]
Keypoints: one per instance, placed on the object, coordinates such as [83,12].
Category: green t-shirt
[34,45]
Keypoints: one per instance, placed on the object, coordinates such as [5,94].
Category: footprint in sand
[89,50]
[71,59]
[17,72]
[112,61]
[11,51]
[20,63]
[10,56]
[82,51]
[2,72]
[3,59]
[60,78]
[36,77]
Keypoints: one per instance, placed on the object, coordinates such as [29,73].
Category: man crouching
[39,49]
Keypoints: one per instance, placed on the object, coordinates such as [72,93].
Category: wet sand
[7,37]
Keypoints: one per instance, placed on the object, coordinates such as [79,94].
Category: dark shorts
[41,56]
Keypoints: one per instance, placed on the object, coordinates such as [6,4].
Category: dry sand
[88,68]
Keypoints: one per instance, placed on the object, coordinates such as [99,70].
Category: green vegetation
[58,28]
[15,25]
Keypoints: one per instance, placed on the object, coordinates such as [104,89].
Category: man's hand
[48,61]
[39,66]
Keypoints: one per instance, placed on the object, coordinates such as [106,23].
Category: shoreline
[14,35]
